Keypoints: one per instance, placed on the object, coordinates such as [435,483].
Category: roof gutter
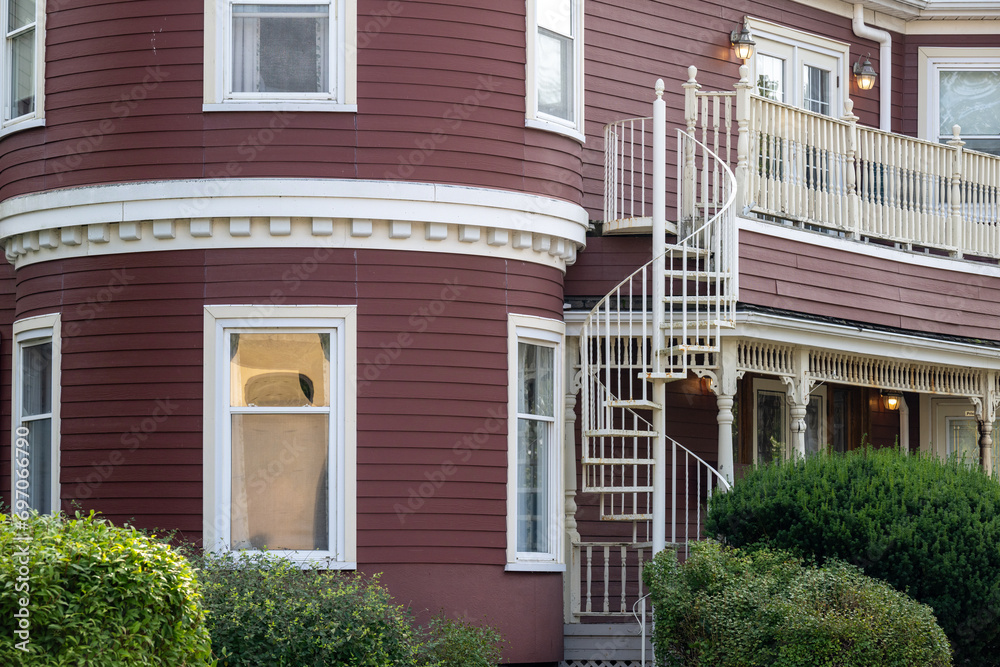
[884,62]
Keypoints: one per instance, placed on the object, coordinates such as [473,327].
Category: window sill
[26,124]
[283,105]
[556,128]
[528,566]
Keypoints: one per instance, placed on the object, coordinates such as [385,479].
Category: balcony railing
[833,175]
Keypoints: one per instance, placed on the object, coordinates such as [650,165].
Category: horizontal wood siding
[809,278]
[440,99]
[607,261]
[432,366]
[631,43]
[7,287]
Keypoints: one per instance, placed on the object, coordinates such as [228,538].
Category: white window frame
[776,39]
[930,62]
[777,386]
[35,118]
[342,66]
[220,320]
[26,332]
[540,120]
[547,333]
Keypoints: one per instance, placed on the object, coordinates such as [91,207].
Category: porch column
[797,413]
[986,445]
[724,386]
[571,579]
[987,415]
[725,419]
[798,401]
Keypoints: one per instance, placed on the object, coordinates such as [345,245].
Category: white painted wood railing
[830,174]
[627,154]
[609,574]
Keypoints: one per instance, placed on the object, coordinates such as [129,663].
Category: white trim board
[869,249]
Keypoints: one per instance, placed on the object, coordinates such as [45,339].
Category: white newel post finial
[955,217]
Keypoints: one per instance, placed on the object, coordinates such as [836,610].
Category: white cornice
[903,15]
[863,340]
[245,213]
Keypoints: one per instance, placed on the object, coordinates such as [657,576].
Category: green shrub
[96,594]
[268,611]
[460,644]
[726,608]
[927,527]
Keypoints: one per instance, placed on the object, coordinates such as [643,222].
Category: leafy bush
[269,611]
[460,644]
[96,594]
[927,527]
[726,608]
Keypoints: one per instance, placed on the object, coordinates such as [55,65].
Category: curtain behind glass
[281,48]
[280,481]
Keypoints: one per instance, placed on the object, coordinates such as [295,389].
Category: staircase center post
[656,330]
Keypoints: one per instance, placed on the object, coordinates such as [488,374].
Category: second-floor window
[555,65]
[960,86]
[280,53]
[19,20]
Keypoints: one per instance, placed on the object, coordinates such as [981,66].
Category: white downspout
[884,63]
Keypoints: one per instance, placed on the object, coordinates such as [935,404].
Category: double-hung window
[284,464]
[23,59]
[35,441]
[555,66]
[535,446]
[960,86]
[285,54]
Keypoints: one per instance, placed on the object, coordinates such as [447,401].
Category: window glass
[770,77]
[535,379]
[280,369]
[280,397]
[815,424]
[770,425]
[36,421]
[557,58]
[536,412]
[971,99]
[281,48]
[20,54]
[816,93]
[555,75]
[280,479]
[532,484]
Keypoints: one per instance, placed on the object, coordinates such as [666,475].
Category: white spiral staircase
[658,325]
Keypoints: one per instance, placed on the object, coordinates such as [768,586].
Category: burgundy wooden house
[460,293]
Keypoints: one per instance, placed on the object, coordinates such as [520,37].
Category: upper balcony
[823,174]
